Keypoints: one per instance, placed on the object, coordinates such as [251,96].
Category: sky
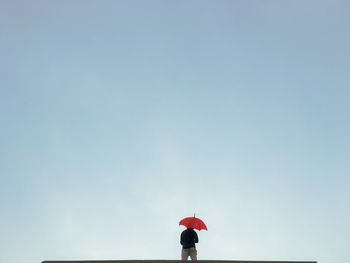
[120,118]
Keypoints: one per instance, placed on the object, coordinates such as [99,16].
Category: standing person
[188,240]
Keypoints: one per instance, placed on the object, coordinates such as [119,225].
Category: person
[188,240]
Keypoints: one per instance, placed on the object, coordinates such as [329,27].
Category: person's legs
[193,253]
[184,254]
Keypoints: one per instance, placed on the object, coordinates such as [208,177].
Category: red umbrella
[193,222]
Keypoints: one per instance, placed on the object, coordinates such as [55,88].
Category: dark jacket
[188,238]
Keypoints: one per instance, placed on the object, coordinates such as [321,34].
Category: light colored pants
[186,252]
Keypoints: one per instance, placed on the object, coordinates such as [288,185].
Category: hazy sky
[119,118]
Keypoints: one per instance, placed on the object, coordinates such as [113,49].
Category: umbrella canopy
[193,222]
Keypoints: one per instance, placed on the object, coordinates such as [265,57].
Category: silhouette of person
[188,240]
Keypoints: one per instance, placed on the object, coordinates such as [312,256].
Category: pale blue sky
[119,118]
